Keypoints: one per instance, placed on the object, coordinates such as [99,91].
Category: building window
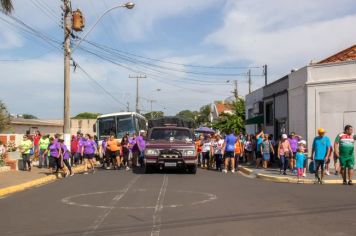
[250,113]
[269,113]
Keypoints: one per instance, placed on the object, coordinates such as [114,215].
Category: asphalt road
[208,203]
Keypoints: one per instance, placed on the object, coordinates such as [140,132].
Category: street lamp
[128,5]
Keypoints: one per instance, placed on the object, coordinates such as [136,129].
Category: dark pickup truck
[170,147]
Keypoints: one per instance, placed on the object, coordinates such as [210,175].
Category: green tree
[4,117]
[232,122]
[87,115]
[204,115]
[6,6]
[188,114]
[29,116]
[154,114]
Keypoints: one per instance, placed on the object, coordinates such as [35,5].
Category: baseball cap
[302,142]
[321,131]
[284,136]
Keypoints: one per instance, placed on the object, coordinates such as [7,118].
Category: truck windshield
[125,124]
[169,134]
[106,127]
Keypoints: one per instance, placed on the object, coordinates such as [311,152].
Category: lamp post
[67,55]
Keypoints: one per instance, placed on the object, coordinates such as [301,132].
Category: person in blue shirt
[259,141]
[299,162]
[320,153]
[229,151]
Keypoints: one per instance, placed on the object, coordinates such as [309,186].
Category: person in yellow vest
[26,146]
[239,147]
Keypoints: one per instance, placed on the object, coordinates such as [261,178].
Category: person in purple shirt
[88,152]
[78,159]
[293,140]
[134,150]
[141,144]
[65,158]
[54,150]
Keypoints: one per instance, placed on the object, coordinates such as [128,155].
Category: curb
[34,183]
[245,170]
[281,179]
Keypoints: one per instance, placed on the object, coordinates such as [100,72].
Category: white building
[318,95]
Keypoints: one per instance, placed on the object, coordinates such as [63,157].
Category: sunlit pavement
[208,203]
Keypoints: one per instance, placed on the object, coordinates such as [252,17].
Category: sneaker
[350,182]
[233,171]
[336,173]
[284,173]
[225,171]
[71,174]
[344,182]
[85,173]
[321,182]
[304,175]
[327,172]
[316,181]
[127,168]
[66,174]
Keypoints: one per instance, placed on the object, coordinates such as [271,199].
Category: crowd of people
[53,153]
[288,151]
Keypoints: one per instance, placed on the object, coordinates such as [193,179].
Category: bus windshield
[118,125]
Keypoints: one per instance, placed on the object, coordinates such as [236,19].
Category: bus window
[142,124]
[106,126]
[125,124]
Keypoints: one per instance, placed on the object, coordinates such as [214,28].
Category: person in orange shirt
[239,147]
[198,148]
[113,152]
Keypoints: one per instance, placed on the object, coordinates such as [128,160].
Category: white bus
[119,124]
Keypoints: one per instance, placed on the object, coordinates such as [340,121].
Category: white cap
[284,136]
[303,142]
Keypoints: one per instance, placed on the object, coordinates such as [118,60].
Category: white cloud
[285,34]
[10,40]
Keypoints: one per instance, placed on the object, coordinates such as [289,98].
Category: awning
[255,120]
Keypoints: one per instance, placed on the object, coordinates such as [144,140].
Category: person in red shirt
[36,141]
[73,148]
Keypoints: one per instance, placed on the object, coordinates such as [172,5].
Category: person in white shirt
[217,146]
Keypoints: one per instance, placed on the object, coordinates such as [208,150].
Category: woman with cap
[284,153]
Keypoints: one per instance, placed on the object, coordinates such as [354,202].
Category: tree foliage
[87,115]
[29,116]
[4,117]
[154,114]
[232,122]
[6,6]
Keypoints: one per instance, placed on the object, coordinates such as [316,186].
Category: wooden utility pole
[249,81]
[67,54]
[265,73]
[137,77]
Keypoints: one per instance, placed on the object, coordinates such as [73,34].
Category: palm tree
[6,6]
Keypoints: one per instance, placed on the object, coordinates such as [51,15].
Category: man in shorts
[229,151]
[344,150]
[320,153]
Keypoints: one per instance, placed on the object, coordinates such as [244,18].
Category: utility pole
[152,101]
[67,54]
[249,81]
[236,90]
[138,77]
[265,73]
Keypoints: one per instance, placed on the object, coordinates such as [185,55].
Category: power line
[45,11]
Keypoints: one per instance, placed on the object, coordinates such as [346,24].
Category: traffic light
[78,21]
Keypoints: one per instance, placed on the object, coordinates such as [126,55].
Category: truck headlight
[189,153]
[151,152]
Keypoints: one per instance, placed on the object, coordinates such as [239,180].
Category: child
[266,150]
[300,158]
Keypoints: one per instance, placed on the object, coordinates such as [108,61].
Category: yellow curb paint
[33,183]
[245,170]
[294,180]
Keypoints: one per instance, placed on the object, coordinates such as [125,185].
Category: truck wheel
[148,169]
[192,170]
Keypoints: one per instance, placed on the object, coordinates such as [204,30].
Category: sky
[190,50]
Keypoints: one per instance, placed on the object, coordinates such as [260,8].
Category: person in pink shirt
[284,153]
[36,141]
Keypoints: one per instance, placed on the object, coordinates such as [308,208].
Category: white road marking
[69,200]
[100,219]
[157,217]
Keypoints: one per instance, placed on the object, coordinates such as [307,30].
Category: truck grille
[170,154]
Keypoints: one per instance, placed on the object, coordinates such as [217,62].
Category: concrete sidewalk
[273,174]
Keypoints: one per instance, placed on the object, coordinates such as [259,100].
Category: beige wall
[84,125]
